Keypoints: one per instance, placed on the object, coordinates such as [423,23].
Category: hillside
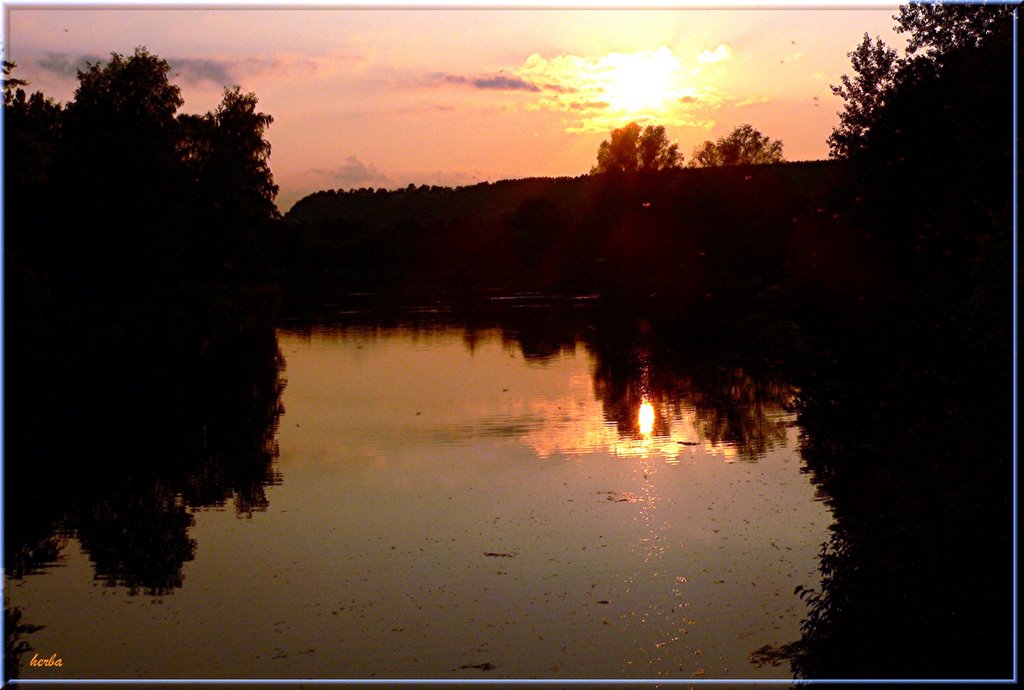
[439,204]
[683,233]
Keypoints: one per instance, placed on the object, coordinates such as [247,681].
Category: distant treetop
[743,146]
[632,149]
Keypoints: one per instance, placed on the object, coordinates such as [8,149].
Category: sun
[641,82]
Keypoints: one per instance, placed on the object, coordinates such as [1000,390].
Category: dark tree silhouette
[31,129]
[632,149]
[15,646]
[106,198]
[943,38]
[743,146]
[10,83]
[940,29]
[117,171]
[930,183]
[124,110]
[151,200]
[227,158]
[865,94]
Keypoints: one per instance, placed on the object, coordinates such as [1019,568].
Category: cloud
[720,54]
[216,71]
[499,82]
[352,174]
[64,65]
[197,70]
[228,72]
[753,100]
[608,91]
[588,105]
[600,93]
[192,70]
[602,124]
[559,88]
[505,83]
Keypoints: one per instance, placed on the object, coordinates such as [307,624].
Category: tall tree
[631,149]
[864,95]
[942,39]
[125,108]
[227,156]
[119,174]
[941,28]
[230,156]
[32,126]
[743,146]
[655,152]
[10,84]
[931,182]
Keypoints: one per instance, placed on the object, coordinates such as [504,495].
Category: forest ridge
[202,188]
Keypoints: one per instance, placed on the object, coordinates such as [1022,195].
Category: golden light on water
[646,418]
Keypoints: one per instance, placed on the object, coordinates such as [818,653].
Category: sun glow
[605,92]
[645,418]
[641,82]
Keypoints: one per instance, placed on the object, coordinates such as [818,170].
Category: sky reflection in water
[451,509]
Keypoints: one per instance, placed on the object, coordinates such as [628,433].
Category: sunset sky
[387,97]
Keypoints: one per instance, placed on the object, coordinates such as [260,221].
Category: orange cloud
[604,92]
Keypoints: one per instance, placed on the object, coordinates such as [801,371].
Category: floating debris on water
[616,497]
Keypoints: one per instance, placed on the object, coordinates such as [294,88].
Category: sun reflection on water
[646,418]
[575,424]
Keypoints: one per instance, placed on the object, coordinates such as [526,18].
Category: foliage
[14,646]
[865,95]
[123,114]
[632,149]
[227,160]
[117,195]
[32,127]
[124,192]
[940,29]
[942,38]
[10,84]
[150,199]
[743,146]
[229,156]
[716,230]
[928,143]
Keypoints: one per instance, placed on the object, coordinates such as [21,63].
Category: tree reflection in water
[737,399]
[904,440]
[904,436]
[901,433]
[132,447]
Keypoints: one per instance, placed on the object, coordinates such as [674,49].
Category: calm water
[443,506]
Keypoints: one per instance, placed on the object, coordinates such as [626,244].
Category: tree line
[631,149]
[893,260]
[151,200]
[927,136]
